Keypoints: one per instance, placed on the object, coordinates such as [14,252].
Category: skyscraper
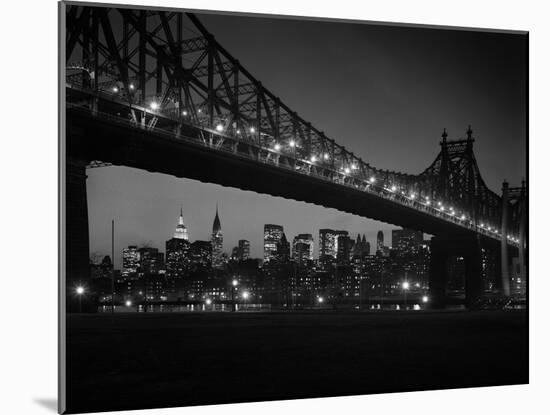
[283,250]
[177,251]
[217,243]
[243,251]
[366,246]
[272,236]
[181,230]
[328,245]
[177,257]
[130,261]
[302,248]
[343,249]
[201,254]
[380,241]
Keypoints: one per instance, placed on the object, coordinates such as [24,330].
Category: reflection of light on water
[416,307]
[397,307]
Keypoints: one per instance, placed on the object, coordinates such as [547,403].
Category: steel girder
[170,62]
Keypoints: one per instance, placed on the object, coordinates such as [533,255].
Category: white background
[28,208]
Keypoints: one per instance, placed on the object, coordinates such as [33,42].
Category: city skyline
[201,229]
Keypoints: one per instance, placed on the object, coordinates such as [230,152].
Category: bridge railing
[371,185]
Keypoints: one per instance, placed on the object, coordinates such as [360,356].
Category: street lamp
[405,286]
[80,293]
[320,300]
[245,297]
[234,283]
[128,303]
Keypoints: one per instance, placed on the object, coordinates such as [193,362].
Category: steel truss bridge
[161,77]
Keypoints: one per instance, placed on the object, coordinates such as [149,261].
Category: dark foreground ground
[159,360]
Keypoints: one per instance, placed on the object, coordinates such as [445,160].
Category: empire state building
[181,230]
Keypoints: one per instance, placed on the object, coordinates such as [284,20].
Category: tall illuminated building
[302,248]
[201,254]
[328,245]
[272,236]
[217,243]
[130,261]
[151,260]
[181,230]
[177,251]
[177,257]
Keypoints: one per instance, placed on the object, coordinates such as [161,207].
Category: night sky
[383,92]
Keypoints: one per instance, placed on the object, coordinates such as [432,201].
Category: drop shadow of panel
[48,403]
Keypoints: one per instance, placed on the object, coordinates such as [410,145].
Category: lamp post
[233,289]
[245,297]
[80,293]
[405,286]
[320,301]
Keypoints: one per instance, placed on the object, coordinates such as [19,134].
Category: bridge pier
[77,245]
[442,248]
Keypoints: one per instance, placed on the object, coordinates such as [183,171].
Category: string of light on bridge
[289,148]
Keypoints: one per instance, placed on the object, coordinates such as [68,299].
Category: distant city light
[80,290]
[246,295]
[238,131]
[252,130]
[412,196]
[184,113]
[235,283]
[292,143]
[326,156]
[425,298]
[463,217]
[313,159]
[115,89]
[439,203]
[393,188]
[128,303]
[372,180]
[347,170]
[131,86]
[406,285]
[354,166]
[208,301]
[199,110]
[154,105]
[320,299]
[219,127]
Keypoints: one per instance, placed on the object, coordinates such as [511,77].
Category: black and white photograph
[263,207]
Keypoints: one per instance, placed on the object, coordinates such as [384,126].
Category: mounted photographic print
[259,208]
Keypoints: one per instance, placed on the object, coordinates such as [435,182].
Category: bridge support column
[505,272]
[77,248]
[442,248]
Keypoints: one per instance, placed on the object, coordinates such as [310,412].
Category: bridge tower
[77,245]
[442,249]
[504,269]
